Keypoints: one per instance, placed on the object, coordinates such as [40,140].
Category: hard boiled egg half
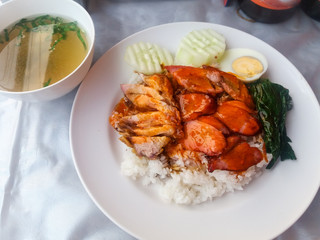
[247,64]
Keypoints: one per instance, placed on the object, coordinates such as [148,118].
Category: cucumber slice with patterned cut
[200,47]
[147,57]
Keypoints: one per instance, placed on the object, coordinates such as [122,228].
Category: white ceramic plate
[267,207]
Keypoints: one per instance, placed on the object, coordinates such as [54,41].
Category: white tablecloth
[41,196]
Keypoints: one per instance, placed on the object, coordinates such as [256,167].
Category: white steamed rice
[187,186]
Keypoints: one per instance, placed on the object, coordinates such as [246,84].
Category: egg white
[225,63]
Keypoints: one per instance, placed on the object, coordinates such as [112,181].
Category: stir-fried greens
[273,102]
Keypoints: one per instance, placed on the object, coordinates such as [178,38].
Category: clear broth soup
[39,51]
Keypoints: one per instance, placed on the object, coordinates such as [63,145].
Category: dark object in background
[269,11]
[311,8]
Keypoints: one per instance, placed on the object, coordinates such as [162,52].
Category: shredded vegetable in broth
[39,51]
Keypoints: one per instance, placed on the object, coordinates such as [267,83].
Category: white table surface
[41,196]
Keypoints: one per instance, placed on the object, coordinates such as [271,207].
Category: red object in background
[277,4]
[269,11]
[227,3]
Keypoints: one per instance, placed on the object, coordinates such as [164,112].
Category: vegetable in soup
[39,51]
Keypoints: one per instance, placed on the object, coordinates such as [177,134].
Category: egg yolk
[247,67]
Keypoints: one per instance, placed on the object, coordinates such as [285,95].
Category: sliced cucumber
[200,47]
[147,57]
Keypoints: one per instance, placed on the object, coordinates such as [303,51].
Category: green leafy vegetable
[273,102]
[62,29]
[47,83]
[6,35]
